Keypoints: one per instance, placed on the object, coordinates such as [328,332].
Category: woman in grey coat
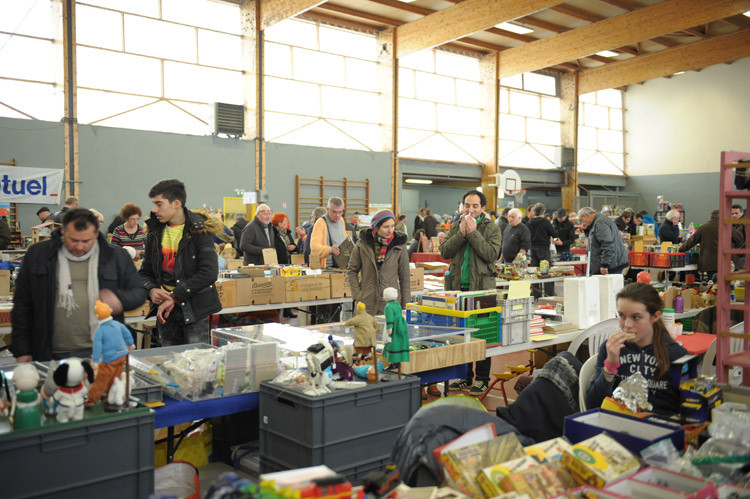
[379,260]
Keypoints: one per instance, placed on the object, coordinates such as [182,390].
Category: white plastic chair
[596,335]
[584,380]
[735,346]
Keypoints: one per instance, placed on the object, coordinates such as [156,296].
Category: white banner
[30,185]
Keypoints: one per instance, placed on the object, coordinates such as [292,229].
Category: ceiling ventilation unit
[228,119]
[565,157]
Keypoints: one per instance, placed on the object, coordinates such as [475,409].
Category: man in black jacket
[541,233]
[239,224]
[53,305]
[180,266]
[566,231]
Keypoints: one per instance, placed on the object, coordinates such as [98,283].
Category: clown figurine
[112,341]
[397,333]
[26,410]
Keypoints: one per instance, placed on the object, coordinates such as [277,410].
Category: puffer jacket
[485,244]
[368,282]
[605,245]
[196,267]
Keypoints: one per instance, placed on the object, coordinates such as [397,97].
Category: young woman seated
[643,345]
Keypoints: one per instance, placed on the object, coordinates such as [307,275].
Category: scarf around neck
[381,247]
[65,297]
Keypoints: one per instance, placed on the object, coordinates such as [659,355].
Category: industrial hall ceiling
[610,43]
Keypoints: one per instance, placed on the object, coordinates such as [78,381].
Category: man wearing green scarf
[473,244]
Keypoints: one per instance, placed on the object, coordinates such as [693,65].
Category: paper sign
[298,259]
[638,246]
[665,246]
[269,256]
[519,289]
[314,260]
[250,198]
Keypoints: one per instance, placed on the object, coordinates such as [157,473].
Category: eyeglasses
[265,211]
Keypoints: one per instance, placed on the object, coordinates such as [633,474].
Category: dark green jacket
[485,244]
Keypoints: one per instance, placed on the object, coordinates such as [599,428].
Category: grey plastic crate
[337,429]
[355,473]
[520,308]
[146,390]
[515,331]
[102,455]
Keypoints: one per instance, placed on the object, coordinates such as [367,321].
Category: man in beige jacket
[328,232]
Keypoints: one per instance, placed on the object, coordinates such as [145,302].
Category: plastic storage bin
[350,431]
[486,320]
[516,331]
[146,391]
[638,258]
[581,301]
[660,260]
[520,308]
[102,455]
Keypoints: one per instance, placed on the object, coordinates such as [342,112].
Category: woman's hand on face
[614,345]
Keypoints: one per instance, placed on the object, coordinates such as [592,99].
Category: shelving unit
[659,215]
[739,356]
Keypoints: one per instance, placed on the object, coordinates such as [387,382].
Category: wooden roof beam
[461,20]
[631,27]
[688,57]
[275,11]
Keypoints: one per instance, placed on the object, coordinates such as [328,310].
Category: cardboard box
[599,460]
[416,279]
[298,259]
[260,291]
[227,290]
[659,483]
[635,434]
[581,301]
[141,311]
[4,282]
[234,263]
[307,288]
[253,270]
[339,285]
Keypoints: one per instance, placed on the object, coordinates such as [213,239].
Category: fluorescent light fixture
[746,13]
[406,1]
[607,53]
[514,28]
[680,73]
[425,181]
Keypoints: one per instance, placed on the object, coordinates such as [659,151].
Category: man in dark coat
[180,266]
[419,221]
[430,225]
[50,322]
[607,252]
[256,236]
[566,231]
[239,224]
[707,235]
[669,231]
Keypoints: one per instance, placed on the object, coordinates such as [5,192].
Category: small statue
[26,410]
[112,341]
[365,338]
[396,339]
[69,377]
[319,358]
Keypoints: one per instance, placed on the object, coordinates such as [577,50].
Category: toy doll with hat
[112,341]
[26,410]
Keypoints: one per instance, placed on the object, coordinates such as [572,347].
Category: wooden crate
[451,355]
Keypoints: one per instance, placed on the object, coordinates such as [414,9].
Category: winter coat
[624,226]
[515,239]
[541,230]
[196,267]
[282,239]
[662,392]
[707,235]
[367,282]
[649,219]
[429,225]
[35,297]
[4,233]
[539,411]
[254,241]
[605,245]
[485,243]
[237,231]
[319,240]
[566,231]
[668,232]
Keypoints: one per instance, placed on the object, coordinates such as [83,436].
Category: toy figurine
[118,394]
[319,358]
[396,339]
[365,329]
[112,341]
[48,391]
[26,410]
[71,390]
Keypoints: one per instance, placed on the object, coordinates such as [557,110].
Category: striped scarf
[381,247]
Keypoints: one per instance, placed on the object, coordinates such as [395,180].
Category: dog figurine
[71,389]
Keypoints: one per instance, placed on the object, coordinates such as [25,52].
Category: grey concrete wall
[284,162]
[698,192]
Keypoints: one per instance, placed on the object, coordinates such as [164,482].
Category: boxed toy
[599,460]
[659,483]
[549,450]
[698,398]
[490,477]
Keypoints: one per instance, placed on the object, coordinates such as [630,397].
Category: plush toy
[26,410]
[116,393]
[319,358]
[112,341]
[69,377]
[397,332]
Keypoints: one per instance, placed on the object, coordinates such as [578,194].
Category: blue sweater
[111,341]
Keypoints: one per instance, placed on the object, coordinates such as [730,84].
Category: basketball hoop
[518,194]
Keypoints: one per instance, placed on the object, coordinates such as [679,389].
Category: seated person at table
[669,231]
[643,345]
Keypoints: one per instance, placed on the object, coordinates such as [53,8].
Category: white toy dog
[71,390]
[116,395]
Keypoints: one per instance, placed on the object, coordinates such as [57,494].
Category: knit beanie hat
[380,217]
